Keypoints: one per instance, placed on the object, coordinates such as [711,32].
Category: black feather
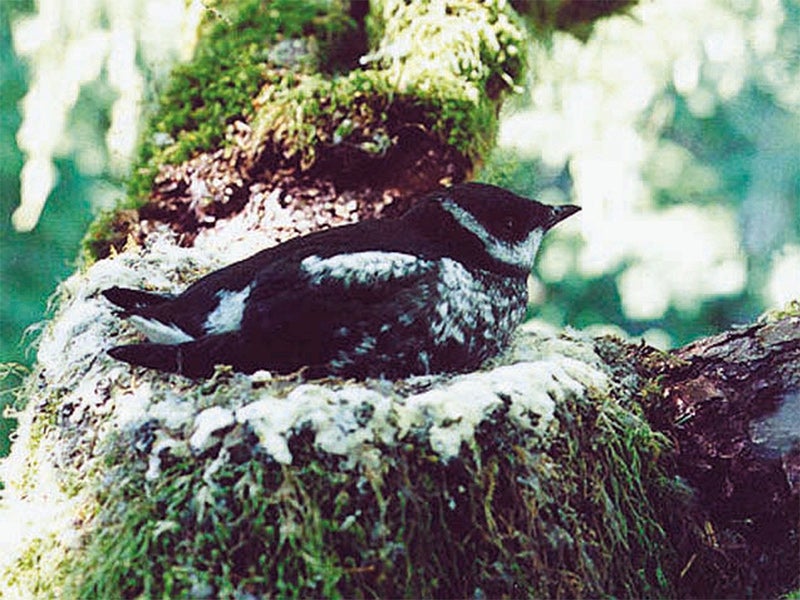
[193,359]
[132,300]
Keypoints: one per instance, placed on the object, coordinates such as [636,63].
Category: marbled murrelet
[440,289]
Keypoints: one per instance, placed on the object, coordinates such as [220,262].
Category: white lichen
[346,419]
[207,425]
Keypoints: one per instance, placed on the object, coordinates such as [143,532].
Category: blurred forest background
[677,128]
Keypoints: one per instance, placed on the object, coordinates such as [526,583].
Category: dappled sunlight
[606,113]
[69,46]
[784,278]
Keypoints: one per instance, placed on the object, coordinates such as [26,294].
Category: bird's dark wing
[188,311]
[334,305]
[300,297]
[305,315]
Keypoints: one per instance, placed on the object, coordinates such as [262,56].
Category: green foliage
[31,264]
[579,518]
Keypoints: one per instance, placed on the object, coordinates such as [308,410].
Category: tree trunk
[535,477]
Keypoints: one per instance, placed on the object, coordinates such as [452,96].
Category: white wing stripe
[362,267]
[229,312]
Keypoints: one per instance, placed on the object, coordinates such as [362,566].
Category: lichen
[508,520]
[443,68]
[791,309]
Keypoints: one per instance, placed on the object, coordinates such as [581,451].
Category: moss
[579,518]
[457,61]
[536,503]
[43,422]
[234,58]
[437,71]
[231,63]
[315,121]
[110,229]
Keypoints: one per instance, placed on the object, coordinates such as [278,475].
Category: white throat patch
[520,254]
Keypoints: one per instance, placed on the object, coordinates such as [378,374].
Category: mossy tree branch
[384,99]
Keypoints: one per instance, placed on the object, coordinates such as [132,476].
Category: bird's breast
[479,309]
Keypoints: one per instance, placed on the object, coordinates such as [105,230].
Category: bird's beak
[559,213]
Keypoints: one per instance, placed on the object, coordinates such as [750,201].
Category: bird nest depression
[525,478]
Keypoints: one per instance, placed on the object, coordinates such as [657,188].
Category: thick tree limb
[732,404]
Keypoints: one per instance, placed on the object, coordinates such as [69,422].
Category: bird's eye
[509,224]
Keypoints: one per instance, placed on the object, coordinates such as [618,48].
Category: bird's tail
[194,359]
[133,300]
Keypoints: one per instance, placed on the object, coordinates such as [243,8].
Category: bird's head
[491,223]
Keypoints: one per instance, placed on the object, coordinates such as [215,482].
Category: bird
[439,289]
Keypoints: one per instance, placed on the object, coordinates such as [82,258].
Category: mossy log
[558,470]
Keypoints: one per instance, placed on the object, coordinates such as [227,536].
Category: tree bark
[731,402]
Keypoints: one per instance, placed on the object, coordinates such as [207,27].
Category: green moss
[12,399]
[110,229]
[455,72]
[43,423]
[313,119]
[438,70]
[231,63]
[579,517]
[234,58]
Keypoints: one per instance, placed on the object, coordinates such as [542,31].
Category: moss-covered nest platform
[534,477]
